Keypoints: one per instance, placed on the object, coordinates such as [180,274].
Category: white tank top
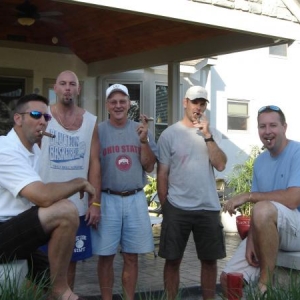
[66,156]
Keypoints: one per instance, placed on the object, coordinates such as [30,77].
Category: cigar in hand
[150,119]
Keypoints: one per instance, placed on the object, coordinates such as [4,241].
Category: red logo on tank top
[123,162]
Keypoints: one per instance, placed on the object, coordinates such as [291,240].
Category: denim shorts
[177,225]
[124,222]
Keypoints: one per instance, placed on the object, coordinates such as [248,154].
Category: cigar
[48,134]
[150,119]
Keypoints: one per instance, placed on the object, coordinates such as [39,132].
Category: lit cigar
[48,134]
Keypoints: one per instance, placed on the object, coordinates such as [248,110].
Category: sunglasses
[269,107]
[37,115]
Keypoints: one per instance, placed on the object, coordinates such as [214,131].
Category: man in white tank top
[73,152]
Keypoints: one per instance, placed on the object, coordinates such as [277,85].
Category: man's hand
[250,251]
[236,201]
[142,129]
[88,188]
[93,215]
[203,125]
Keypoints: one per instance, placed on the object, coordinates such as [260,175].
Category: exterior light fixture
[26,21]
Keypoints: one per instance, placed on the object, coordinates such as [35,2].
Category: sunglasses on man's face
[268,108]
[37,115]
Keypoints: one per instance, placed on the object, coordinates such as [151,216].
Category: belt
[123,194]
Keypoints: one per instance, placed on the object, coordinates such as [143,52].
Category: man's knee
[61,212]
[130,259]
[264,211]
[173,264]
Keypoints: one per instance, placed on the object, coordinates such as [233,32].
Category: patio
[151,272]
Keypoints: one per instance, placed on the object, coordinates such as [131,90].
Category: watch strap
[210,139]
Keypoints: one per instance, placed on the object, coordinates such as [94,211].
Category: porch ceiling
[110,39]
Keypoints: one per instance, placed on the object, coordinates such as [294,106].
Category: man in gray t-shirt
[187,191]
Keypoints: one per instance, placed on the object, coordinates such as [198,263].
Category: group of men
[71,188]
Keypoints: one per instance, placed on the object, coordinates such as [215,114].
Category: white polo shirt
[18,168]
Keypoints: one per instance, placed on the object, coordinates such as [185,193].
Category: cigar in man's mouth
[48,134]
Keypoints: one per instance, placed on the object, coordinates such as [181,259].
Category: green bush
[150,188]
[240,180]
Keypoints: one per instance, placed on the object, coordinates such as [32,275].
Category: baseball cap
[196,92]
[117,88]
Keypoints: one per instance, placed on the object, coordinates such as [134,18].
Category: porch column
[173,92]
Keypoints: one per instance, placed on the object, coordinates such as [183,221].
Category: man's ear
[184,102]
[18,119]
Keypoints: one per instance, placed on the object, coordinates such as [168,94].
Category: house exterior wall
[262,79]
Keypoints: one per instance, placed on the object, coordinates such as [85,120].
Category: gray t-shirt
[120,156]
[192,184]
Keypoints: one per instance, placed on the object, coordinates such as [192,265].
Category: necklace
[60,121]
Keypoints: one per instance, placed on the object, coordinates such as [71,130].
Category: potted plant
[150,188]
[240,181]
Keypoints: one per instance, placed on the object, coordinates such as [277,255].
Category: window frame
[246,117]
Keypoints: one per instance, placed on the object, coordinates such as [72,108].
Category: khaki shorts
[288,225]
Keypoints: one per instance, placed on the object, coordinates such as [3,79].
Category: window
[11,89]
[237,115]
[161,111]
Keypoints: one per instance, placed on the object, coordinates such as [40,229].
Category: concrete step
[13,274]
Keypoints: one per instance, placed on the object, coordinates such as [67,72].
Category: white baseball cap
[117,88]
[196,92]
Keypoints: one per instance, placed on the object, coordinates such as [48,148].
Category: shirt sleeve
[17,170]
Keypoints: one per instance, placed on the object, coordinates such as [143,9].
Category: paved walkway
[151,272]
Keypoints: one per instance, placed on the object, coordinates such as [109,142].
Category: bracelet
[96,204]
[249,198]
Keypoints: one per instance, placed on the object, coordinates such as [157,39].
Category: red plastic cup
[234,286]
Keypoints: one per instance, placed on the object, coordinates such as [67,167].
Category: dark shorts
[83,244]
[178,224]
[20,238]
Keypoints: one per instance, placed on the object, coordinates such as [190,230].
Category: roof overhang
[244,31]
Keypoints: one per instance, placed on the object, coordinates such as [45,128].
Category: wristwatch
[145,141]
[210,139]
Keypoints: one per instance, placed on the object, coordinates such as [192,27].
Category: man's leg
[266,240]
[106,276]
[129,275]
[71,274]
[61,221]
[208,278]
[172,277]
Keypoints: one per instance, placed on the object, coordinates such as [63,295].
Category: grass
[285,286]
[13,287]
